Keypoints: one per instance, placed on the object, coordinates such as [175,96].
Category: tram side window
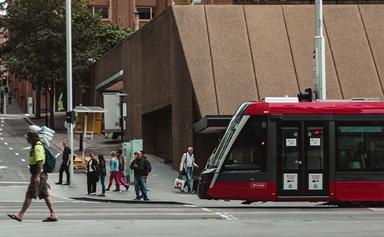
[360,146]
[249,151]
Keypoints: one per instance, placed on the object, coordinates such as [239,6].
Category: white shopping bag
[179,183]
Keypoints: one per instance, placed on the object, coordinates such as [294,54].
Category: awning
[212,124]
[111,80]
[89,109]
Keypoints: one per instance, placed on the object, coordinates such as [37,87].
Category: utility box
[129,148]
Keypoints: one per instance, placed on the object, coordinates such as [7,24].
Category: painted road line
[1,138]
[376,209]
[11,148]
[221,214]
[6,143]
[3,167]
[226,216]
[189,205]
[23,160]
[16,154]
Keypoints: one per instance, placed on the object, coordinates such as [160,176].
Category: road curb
[126,201]
[28,120]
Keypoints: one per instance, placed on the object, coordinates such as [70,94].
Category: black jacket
[94,166]
[102,171]
[139,170]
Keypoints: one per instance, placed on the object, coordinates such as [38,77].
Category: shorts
[38,190]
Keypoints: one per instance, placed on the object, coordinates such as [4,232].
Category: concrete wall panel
[133,71]
[108,65]
[373,18]
[192,30]
[182,94]
[234,75]
[272,57]
[300,22]
[353,60]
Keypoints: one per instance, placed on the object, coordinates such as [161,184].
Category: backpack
[50,161]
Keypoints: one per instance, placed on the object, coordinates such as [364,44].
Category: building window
[360,146]
[145,13]
[103,11]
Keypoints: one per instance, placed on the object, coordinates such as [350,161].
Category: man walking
[138,165]
[38,186]
[188,163]
[65,165]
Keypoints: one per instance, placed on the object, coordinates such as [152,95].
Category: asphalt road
[78,218]
[119,219]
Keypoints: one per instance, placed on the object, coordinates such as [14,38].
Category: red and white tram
[300,151]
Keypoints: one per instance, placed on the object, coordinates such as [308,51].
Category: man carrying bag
[187,164]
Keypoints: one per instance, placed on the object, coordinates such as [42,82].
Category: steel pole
[68,20]
[320,52]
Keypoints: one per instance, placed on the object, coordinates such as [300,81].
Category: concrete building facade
[191,67]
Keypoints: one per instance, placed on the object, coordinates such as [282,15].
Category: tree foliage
[36,50]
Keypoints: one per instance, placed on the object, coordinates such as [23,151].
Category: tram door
[302,159]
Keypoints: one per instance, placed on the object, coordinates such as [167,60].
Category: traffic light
[4,80]
[49,87]
[70,117]
[306,96]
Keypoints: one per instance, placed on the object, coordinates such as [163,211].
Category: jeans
[120,179]
[102,182]
[112,177]
[188,175]
[140,187]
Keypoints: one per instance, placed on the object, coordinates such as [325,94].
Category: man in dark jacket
[139,169]
[92,174]
[65,164]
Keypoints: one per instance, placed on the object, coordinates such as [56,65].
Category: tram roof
[319,108]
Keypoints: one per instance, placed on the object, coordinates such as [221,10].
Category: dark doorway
[157,133]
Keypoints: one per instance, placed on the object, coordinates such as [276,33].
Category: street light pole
[68,20]
[320,52]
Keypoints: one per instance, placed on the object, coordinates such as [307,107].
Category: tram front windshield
[218,153]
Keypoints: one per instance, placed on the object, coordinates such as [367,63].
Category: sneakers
[117,190]
[126,188]
[101,195]
[59,183]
